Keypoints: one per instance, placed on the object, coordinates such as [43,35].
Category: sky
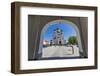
[68,31]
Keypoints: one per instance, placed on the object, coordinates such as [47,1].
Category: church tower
[57,37]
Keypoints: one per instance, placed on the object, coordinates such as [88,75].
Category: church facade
[58,37]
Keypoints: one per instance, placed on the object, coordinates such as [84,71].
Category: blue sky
[68,31]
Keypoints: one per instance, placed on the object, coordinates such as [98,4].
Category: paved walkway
[60,51]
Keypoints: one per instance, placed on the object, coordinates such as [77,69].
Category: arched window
[60,39]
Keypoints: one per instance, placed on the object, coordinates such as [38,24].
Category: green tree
[72,40]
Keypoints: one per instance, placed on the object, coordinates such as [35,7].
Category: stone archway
[54,22]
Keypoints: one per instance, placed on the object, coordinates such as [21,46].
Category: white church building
[58,37]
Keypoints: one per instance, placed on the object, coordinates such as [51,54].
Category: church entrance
[60,42]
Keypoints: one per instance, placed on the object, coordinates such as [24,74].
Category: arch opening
[60,39]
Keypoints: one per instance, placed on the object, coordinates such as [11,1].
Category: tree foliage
[72,40]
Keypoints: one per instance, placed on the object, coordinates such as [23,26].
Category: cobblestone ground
[60,51]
